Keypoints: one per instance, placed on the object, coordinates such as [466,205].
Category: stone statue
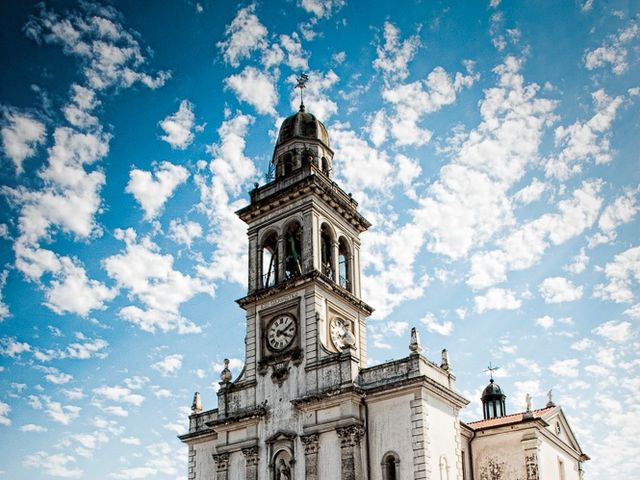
[225,375]
[527,399]
[444,362]
[550,399]
[283,471]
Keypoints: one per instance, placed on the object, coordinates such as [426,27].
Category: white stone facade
[306,406]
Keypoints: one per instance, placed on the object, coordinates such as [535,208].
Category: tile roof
[507,419]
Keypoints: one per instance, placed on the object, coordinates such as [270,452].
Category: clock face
[339,329]
[280,332]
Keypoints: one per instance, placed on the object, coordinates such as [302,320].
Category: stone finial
[196,406]
[550,399]
[414,345]
[527,399]
[444,362]
[225,375]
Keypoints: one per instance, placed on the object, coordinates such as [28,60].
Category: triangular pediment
[281,436]
[560,428]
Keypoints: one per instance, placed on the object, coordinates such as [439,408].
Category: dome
[492,390]
[305,126]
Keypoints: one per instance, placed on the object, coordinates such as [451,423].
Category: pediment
[560,428]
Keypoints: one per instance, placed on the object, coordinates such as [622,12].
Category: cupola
[493,401]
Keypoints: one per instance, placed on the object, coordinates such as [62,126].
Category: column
[311,445]
[531,444]
[281,249]
[255,262]
[350,452]
[251,459]
[222,465]
[335,261]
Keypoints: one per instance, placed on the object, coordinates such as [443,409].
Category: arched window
[269,260]
[293,251]
[391,466]
[282,465]
[325,166]
[344,265]
[288,164]
[326,255]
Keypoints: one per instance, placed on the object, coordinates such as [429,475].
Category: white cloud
[184,232]
[497,299]
[59,378]
[565,368]
[57,465]
[72,291]
[581,142]
[130,441]
[322,8]
[525,245]
[613,51]
[4,308]
[160,459]
[119,394]
[243,35]
[583,344]
[320,103]
[153,189]
[178,126]
[11,347]
[169,365]
[414,100]
[296,57]
[579,263]
[531,192]
[618,213]
[4,414]
[32,427]
[618,332]
[432,324]
[110,55]
[256,88]
[545,322]
[621,272]
[394,55]
[633,312]
[21,134]
[559,290]
[150,277]
[63,414]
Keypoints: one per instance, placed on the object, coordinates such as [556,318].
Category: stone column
[255,263]
[281,250]
[311,445]
[222,465]
[251,459]
[350,452]
[531,444]
[335,261]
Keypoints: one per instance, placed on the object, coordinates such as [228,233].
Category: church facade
[306,406]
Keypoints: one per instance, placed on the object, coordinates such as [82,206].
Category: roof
[509,419]
[303,125]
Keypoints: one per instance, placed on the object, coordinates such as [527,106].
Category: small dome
[492,390]
[303,125]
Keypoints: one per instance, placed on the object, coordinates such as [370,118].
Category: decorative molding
[251,455]
[311,443]
[350,436]
[222,461]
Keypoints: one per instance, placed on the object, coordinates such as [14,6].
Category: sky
[493,146]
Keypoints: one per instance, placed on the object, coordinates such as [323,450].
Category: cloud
[178,126]
[153,189]
[618,332]
[497,299]
[316,95]
[32,427]
[394,55]
[72,291]
[613,51]
[581,142]
[579,263]
[620,212]
[184,232]
[531,192]
[243,35]
[21,134]
[4,414]
[59,413]
[151,278]
[4,308]
[109,54]
[119,394]
[414,100]
[565,368]
[255,88]
[433,325]
[59,378]
[545,322]
[559,290]
[57,465]
[10,347]
[620,272]
[169,365]
[321,8]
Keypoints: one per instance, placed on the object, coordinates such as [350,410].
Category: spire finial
[414,345]
[444,360]
[302,84]
[196,406]
[491,369]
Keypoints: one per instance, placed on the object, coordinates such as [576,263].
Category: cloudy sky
[493,145]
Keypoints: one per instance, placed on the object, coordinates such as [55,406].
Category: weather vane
[491,369]
[302,84]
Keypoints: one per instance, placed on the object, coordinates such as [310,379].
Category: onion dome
[304,126]
[493,401]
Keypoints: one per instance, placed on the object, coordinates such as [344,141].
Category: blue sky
[493,146]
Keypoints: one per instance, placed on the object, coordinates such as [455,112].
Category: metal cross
[301,84]
[491,369]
